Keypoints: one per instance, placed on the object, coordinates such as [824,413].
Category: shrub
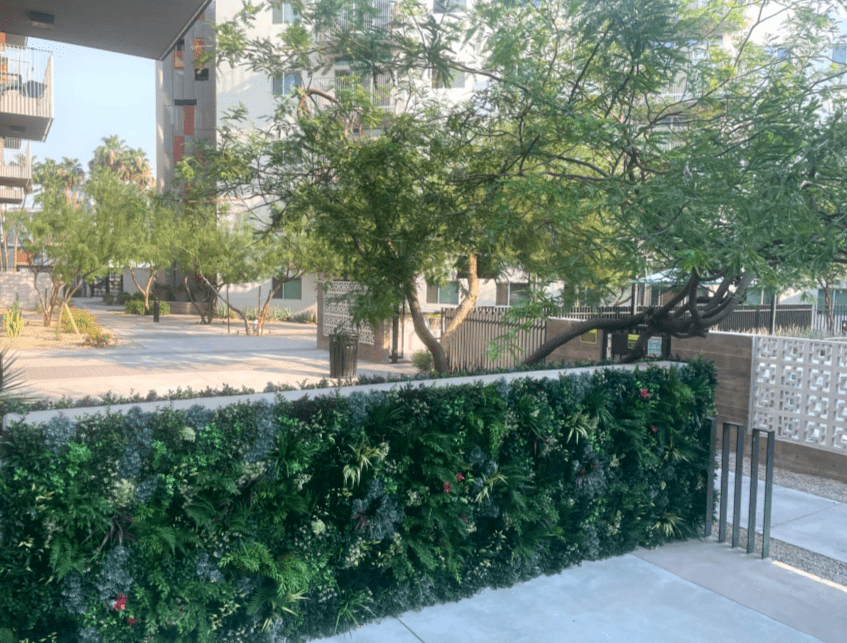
[304,317]
[422,361]
[87,324]
[98,339]
[136,307]
[204,524]
[14,321]
[279,314]
[109,299]
[122,297]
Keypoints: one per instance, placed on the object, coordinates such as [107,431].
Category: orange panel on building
[179,148]
[188,120]
[199,47]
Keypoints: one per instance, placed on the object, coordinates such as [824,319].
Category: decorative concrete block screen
[336,313]
[800,391]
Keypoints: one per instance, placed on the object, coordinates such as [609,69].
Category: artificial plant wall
[260,522]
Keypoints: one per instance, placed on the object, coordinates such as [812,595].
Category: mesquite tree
[601,141]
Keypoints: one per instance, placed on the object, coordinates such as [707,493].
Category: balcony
[12,196]
[378,89]
[26,92]
[15,168]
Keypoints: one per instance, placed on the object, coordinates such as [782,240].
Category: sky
[98,94]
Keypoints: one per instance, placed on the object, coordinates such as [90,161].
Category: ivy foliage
[304,518]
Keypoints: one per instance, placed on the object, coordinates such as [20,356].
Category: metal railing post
[710,482]
[739,471]
[724,483]
[754,491]
[766,522]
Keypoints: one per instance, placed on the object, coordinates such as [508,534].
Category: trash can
[343,348]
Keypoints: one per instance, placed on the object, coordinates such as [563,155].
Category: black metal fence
[789,318]
[110,284]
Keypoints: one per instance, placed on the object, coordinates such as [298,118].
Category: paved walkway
[699,591]
[179,352]
[691,592]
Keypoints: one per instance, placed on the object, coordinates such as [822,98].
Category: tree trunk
[467,304]
[439,356]
[262,314]
[206,316]
[438,350]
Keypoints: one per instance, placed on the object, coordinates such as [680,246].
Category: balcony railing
[376,87]
[15,168]
[383,14]
[26,92]
[12,196]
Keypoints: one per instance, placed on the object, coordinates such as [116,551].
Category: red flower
[446,487]
[464,517]
[132,621]
[120,603]
[645,394]
[653,426]
[459,477]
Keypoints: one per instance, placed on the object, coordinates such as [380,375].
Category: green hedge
[305,518]
[136,307]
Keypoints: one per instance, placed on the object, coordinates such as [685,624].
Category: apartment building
[193,97]
[140,28]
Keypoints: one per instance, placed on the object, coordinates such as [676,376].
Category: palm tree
[72,175]
[136,168]
[131,165]
[110,154]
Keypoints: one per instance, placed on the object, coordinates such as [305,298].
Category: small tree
[70,240]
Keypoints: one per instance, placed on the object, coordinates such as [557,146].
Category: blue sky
[98,94]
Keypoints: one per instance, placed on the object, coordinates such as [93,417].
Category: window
[446,294]
[285,85]
[283,13]
[455,81]
[758,296]
[179,52]
[201,71]
[448,6]
[291,289]
[839,53]
[838,297]
[512,294]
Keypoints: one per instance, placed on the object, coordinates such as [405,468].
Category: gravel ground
[808,561]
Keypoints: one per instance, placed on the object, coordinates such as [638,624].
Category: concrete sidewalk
[699,591]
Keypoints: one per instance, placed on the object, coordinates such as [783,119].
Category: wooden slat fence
[468,349]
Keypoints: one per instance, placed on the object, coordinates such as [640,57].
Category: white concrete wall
[247,295]
[19,285]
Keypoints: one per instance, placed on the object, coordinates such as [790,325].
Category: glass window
[456,81]
[284,85]
[446,294]
[201,70]
[448,6]
[290,81]
[179,52]
[838,297]
[283,13]
[512,294]
[291,289]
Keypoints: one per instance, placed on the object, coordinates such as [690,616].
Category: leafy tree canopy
[601,141]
